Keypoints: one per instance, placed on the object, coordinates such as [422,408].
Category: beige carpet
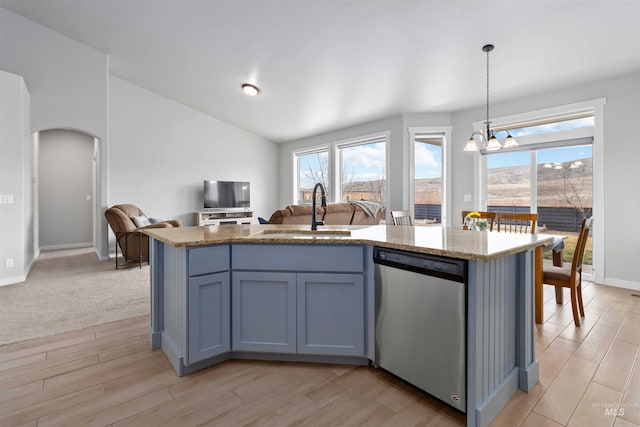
[69,290]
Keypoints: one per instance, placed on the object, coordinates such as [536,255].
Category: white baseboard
[22,277]
[13,280]
[102,257]
[625,284]
[66,246]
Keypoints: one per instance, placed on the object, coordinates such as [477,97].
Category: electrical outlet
[8,263]
[6,199]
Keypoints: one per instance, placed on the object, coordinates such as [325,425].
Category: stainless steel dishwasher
[421,321]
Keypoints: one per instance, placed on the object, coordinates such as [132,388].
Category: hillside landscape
[507,186]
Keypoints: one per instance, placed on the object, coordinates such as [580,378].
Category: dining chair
[401,218]
[489,216]
[571,277]
[516,222]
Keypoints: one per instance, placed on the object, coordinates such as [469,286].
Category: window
[553,178]
[350,170]
[311,167]
[553,125]
[362,172]
[428,172]
[509,181]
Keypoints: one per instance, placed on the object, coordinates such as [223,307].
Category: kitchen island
[277,292]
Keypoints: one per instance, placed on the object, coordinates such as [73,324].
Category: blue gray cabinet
[330,314]
[305,299]
[209,316]
[264,312]
[295,301]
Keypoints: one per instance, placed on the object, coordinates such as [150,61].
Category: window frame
[296,163]
[355,142]
[445,132]
[333,163]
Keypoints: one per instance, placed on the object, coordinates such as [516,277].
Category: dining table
[557,245]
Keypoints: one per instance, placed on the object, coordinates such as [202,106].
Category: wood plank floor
[107,375]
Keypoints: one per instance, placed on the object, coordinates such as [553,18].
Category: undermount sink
[302,234]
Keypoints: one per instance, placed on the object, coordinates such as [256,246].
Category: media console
[224,216]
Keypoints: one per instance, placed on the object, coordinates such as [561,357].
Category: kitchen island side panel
[529,370]
[156,272]
[174,332]
[492,337]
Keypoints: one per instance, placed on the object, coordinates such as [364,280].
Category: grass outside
[570,247]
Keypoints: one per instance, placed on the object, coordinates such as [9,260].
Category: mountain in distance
[508,186]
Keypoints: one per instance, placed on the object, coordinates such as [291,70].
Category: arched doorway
[66,189]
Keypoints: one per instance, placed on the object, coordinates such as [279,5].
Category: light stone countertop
[434,240]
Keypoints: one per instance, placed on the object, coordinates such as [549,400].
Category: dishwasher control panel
[449,268]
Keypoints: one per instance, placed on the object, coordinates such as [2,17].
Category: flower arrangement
[473,221]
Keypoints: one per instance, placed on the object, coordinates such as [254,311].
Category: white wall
[65,173]
[68,83]
[16,241]
[161,151]
[67,80]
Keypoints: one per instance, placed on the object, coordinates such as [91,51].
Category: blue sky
[551,155]
[428,159]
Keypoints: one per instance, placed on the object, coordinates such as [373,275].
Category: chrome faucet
[323,203]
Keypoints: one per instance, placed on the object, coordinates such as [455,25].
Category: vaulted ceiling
[328,64]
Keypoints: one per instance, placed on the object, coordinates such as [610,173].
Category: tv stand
[224,216]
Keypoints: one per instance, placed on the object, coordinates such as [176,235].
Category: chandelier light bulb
[471,145]
[493,144]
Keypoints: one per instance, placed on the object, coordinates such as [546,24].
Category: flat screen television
[227,194]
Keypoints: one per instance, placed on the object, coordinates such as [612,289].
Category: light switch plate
[6,199]
[467,197]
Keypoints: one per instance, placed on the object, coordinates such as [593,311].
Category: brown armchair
[126,221]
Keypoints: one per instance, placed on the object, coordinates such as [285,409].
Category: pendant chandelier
[488,140]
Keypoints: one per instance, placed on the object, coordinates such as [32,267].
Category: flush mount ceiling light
[250,89]
[488,139]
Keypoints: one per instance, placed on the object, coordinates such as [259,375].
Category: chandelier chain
[487,109]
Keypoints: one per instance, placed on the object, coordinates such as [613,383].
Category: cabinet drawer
[329,258]
[208,259]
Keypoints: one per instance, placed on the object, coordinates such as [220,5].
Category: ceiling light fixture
[487,138]
[250,89]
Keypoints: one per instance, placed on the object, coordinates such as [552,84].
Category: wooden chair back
[515,222]
[581,246]
[571,277]
[401,218]
[488,215]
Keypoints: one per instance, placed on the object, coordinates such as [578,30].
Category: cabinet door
[331,314]
[264,312]
[209,317]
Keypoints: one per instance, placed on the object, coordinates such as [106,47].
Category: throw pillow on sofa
[141,221]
